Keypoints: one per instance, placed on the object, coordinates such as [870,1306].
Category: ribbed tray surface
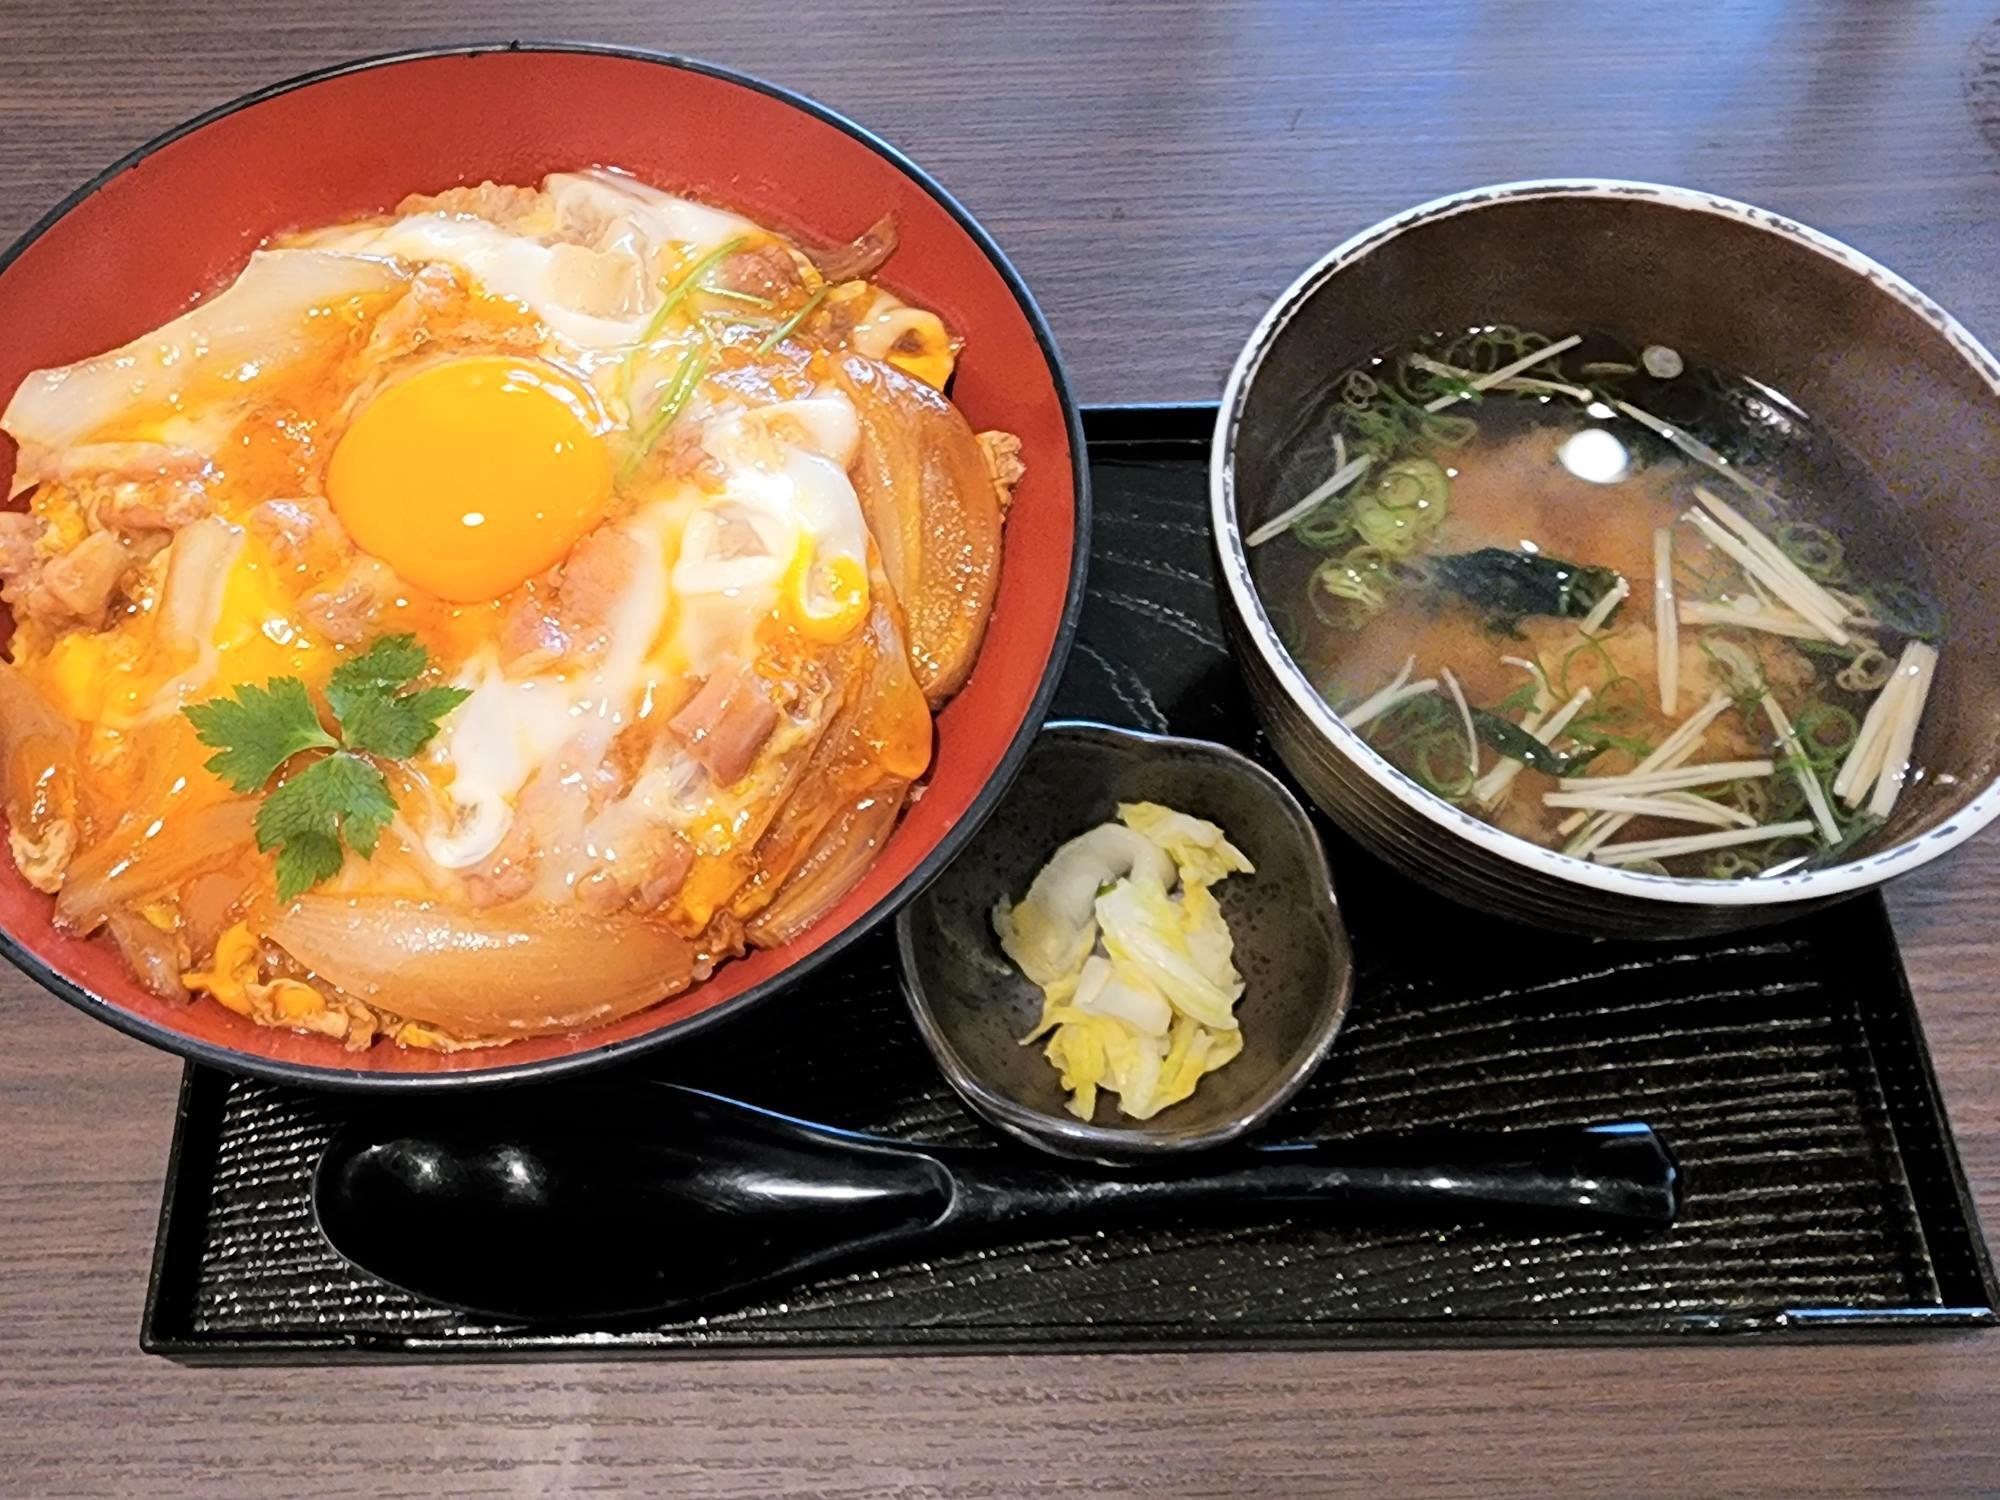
[1781,1067]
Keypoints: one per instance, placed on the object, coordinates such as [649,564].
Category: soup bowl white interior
[1897,379]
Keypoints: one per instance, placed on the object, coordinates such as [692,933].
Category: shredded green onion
[784,330]
[1620,699]
[1742,670]
[1567,689]
[1287,626]
[1826,731]
[715,317]
[1452,783]
[687,375]
[677,293]
[1484,350]
[1425,738]
[1625,744]
[1362,545]
[1520,701]
[1817,551]
[1753,796]
[1326,528]
[731,294]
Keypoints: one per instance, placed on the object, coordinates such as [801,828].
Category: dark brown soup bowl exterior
[1886,370]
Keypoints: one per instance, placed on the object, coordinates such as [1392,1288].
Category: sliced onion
[150,953]
[934,513]
[209,905]
[146,855]
[197,568]
[265,318]
[25,714]
[37,780]
[835,864]
[517,970]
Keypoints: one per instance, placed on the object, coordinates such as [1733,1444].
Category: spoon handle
[1607,1176]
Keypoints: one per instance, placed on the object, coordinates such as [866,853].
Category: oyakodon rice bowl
[485,617]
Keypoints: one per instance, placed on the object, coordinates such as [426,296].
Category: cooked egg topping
[581,467]
[472,475]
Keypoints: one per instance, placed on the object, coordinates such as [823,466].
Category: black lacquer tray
[1785,1068]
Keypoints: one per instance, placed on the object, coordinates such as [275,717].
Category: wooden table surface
[1158,172]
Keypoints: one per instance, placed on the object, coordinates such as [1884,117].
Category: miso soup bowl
[1860,349]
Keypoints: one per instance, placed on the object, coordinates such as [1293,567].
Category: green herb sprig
[341,800]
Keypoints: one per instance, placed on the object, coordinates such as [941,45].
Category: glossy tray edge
[1926,1153]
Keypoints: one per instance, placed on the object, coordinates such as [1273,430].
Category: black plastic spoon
[655,1200]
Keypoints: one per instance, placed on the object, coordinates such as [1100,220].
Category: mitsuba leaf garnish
[337,801]
[258,730]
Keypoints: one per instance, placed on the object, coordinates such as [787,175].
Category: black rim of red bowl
[610,1053]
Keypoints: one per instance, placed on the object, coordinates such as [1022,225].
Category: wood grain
[1158,171]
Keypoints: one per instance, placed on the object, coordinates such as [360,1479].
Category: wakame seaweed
[1507,585]
[1514,742]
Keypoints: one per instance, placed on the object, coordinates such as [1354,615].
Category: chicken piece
[650,868]
[21,535]
[406,326]
[558,800]
[663,875]
[569,607]
[508,876]
[596,576]
[162,505]
[351,608]
[136,460]
[680,455]
[302,533]
[136,486]
[78,585]
[438,313]
[509,205]
[767,271]
[727,722]
[531,635]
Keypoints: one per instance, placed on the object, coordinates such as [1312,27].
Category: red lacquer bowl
[180,216]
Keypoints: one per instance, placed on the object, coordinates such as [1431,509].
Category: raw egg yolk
[470,476]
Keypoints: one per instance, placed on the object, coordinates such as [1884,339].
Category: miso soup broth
[1610,600]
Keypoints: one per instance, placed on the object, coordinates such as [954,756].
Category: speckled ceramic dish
[974,1007]
[1896,378]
